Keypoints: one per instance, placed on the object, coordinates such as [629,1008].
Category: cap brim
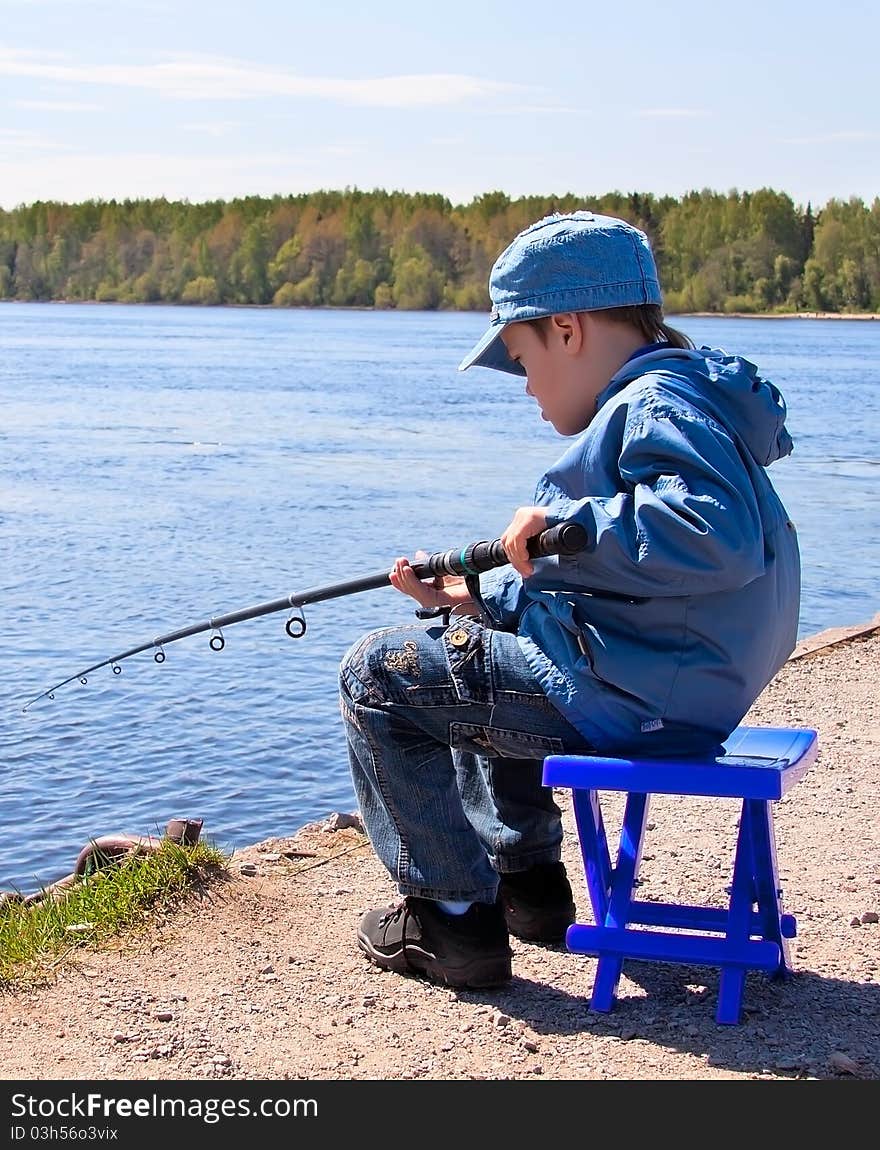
[490,352]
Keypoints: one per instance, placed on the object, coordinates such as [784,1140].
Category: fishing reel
[441,613]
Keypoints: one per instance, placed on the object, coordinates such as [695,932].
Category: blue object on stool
[759,765]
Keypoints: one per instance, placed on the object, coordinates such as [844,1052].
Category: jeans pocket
[468,656]
[482,739]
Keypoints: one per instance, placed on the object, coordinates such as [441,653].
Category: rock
[842,1064]
[341,822]
[786,1064]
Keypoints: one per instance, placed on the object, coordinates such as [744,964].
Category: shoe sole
[479,973]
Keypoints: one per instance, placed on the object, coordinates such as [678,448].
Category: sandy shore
[260,978]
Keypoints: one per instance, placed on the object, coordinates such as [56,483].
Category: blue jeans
[447,730]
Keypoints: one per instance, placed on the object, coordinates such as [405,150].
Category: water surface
[161,466]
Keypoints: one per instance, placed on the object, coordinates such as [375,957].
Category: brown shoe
[418,937]
[538,904]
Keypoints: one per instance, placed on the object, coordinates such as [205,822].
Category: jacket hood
[730,389]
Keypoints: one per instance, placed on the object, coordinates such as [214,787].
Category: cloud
[158,6]
[15,140]
[217,78]
[343,150]
[532,109]
[216,128]
[56,106]
[850,136]
[673,113]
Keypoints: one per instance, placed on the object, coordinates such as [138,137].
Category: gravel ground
[259,977]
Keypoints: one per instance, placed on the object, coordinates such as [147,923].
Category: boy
[655,639]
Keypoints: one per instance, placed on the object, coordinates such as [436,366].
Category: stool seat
[758,763]
[758,766]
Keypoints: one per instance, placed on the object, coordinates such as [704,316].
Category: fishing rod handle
[564,539]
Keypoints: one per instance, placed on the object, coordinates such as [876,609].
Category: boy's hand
[441,591]
[527,521]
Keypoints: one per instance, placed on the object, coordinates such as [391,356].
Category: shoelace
[394,913]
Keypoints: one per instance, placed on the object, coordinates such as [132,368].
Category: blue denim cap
[575,262]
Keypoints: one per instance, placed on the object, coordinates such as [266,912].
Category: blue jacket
[662,633]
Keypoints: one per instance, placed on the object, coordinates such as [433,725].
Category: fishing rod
[564,539]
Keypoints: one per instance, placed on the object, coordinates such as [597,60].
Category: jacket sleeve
[685,521]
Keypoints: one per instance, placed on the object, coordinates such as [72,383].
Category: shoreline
[849,315]
[832,636]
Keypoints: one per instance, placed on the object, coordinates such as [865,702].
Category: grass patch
[36,936]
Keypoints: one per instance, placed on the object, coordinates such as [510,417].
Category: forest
[726,252]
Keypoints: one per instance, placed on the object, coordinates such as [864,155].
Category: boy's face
[560,375]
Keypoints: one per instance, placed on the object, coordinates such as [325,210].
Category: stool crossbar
[758,766]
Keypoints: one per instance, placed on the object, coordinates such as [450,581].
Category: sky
[209,99]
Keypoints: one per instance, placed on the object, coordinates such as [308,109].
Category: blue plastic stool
[759,765]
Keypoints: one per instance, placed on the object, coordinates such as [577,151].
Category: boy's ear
[566,327]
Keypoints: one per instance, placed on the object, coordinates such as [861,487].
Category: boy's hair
[647,318]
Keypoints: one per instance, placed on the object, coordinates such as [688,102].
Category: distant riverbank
[780,315]
[365,307]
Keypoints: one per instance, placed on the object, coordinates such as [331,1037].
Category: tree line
[716,252]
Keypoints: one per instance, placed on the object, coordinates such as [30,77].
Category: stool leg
[610,967]
[594,849]
[732,979]
[768,893]
[629,857]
